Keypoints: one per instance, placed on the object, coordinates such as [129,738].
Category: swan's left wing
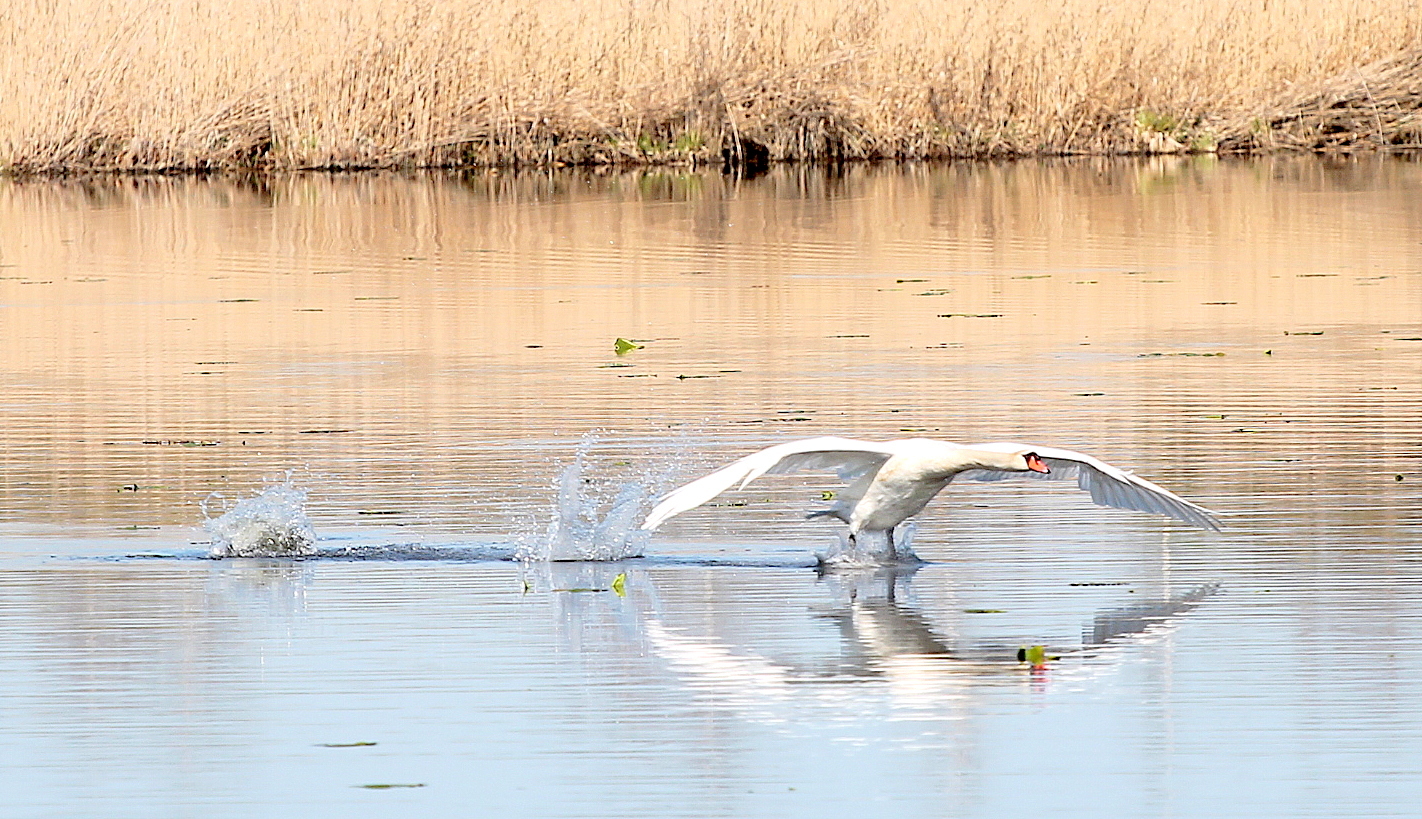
[850,458]
[1108,485]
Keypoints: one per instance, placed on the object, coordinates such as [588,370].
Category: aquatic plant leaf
[619,584]
[344,744]
[1037,656]
[383,786]
[622,346]
[984,611]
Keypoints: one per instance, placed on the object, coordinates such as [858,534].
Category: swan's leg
[889,536]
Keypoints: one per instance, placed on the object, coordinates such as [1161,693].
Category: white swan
[892,481]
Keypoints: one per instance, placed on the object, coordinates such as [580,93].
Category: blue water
[456,479]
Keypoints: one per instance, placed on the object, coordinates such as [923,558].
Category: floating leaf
[1037,656]
[827,495]
[619,584]
[622,346]
[1186,355]
[984,611]
[388,786]
[344,744]
[970,315]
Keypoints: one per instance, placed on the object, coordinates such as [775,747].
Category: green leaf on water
[1037,656]
[984,611]
[827,495]
[619,584]
[622,346]
[387,786]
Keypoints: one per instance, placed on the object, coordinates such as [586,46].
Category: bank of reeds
[218,84]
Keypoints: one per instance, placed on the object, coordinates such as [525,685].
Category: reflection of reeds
[345,83]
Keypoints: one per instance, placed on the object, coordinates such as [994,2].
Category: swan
[892,481]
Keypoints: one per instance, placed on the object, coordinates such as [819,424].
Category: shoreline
[197,87]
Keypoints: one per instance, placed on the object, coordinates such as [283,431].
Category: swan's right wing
[850,458]
[1108,485]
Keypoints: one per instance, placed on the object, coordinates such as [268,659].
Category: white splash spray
[871,550]
[593,519]
[270,524]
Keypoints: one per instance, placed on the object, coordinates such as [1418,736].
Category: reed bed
[286,84]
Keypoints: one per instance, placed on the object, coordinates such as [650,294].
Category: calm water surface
[431,359]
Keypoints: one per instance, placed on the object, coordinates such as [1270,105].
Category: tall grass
[146,84]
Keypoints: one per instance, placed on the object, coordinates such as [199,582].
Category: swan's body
[892,481]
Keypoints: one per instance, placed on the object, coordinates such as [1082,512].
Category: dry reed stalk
[216,84]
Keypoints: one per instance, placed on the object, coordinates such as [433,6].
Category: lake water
[430,359]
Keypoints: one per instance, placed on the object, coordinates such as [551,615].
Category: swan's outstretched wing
[1108,485]
[850,458]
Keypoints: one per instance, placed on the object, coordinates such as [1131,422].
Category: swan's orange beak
[1036,464]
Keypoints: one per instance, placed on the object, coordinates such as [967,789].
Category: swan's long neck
[961,459]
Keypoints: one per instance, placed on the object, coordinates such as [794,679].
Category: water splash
[270,524]
[871,549]
[593,519]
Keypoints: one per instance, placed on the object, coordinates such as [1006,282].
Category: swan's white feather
[851,459]
[917,476]
[1108,485]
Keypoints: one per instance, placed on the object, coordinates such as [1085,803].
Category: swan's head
[1035,463]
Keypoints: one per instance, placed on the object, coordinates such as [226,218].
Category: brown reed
[285,84]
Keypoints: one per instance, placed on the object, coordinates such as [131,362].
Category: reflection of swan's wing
[1130,620]
[1108,485]
[850,458]
[715,663]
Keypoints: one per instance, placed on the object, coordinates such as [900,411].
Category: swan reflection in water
[885,639]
